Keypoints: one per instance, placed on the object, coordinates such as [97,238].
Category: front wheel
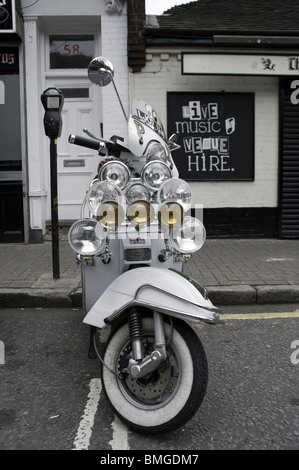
[166,398]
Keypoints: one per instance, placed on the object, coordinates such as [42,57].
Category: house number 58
[72,50]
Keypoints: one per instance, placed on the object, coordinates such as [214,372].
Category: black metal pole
[54,208]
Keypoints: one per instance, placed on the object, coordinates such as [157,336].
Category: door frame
[71,78]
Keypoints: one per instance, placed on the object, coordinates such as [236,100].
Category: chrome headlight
[110,214]
[190,237]
[105,200]
[154,173]
[137,192]
[155,151]
[171,214]
[140,213]
[175,190]
[86,237]
[102,191]
[116,172]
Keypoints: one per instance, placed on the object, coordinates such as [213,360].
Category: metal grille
[137,254]
[289,179]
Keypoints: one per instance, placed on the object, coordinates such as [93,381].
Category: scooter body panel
[162,290]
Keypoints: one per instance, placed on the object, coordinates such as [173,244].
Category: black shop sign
[216,135]
[7,16]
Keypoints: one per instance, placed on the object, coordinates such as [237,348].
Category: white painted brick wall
[114,47]
[160,76]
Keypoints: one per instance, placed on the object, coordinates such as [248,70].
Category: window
[75,93]
[71,51]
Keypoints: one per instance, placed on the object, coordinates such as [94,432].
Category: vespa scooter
[132,245]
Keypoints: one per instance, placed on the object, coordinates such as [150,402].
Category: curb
[36,298]
[244,295]
[219,295]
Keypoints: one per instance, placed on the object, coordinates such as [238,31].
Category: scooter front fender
[162,290]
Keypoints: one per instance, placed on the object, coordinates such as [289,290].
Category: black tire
[169,397]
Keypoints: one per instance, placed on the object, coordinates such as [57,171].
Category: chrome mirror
[173,138]
[100,71]
[172,142]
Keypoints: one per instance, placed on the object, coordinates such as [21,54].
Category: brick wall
[136,42]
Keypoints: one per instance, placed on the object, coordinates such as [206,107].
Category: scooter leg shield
[163,290]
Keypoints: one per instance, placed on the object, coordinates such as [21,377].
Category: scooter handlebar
[86,142]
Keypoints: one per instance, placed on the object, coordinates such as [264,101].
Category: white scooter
[132,245]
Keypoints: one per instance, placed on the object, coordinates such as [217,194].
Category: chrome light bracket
[107,255]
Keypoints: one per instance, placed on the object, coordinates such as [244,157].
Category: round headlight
[86,237]
[171,214]
[137,192]
[100,192]
[140,213]
[110,214]
[154,173]
[175,190]
[155,151]
[190,237]
[116,172]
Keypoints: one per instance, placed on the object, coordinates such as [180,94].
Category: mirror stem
[123,110]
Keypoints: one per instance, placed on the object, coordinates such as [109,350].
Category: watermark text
[295,354]
[2,353]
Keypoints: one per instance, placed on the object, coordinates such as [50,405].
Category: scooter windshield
[144,126]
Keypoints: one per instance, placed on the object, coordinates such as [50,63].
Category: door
[288,216]
[69,56]
[76,166]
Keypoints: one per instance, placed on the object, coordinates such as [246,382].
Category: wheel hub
[149,386]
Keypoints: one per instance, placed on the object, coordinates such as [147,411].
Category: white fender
[163,290]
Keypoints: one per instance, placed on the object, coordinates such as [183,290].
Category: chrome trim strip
[210,309]
[211,315]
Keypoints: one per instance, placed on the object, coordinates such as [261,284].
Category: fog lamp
[190,237]
[171,214]
[137,192]
[140,213]
[155,151]
[116,172]
[86,237]
[154,173]
[175,190]
[100,192]
[110,214]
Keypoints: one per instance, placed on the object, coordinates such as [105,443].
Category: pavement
[235,272]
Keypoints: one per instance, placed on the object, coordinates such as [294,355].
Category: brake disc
[150,386]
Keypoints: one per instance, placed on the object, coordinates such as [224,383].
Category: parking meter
[52,100]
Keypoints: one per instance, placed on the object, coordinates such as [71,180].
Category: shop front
[236,117]
[227,148]
[12,167]
[225,80]
[228,132]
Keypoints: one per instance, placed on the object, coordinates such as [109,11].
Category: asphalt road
[50,392]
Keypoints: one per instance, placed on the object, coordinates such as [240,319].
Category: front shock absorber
[136,334]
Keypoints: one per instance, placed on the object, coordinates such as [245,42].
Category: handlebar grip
[85,142]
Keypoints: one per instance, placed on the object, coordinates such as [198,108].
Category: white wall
[114,47]
[162,73]
[58,8]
